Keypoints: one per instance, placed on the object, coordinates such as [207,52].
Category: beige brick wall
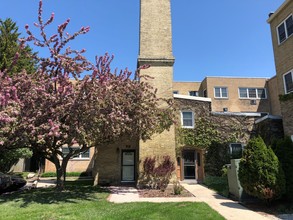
[274,96]
[156,50]
[283,53]
[74,165]
[155,29]
[107,167]
[233,102]
[183,88]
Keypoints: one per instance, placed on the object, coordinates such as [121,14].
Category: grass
[80,200]
[218,183]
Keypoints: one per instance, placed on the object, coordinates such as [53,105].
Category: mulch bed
[149,193]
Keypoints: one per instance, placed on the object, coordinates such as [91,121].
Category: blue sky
[210,37]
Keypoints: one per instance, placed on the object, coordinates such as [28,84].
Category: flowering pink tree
[51,111]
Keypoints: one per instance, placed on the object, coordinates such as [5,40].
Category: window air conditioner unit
[253,102]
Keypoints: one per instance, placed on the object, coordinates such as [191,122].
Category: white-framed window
[187,119]
[285,29]
[193,93]
[175,92]
[221,92]
[82,155]
[252,93]
[288,82]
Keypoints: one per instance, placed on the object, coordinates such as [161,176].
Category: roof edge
[278,10]
[196,98]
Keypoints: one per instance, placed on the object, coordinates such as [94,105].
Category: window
[193,93]
[176,92]
[288,82]
[285,29]
[187,119]
[252,93]
[221,92]
[82,155]
[205,93]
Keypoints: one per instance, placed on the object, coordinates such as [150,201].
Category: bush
[260,172]
[216,157]
[158,177]
[177,188]
[10,157]
[284,151]
[68,174]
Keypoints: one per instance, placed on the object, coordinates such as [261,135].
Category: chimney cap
[271,13]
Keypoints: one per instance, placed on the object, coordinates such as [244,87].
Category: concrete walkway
[229,209]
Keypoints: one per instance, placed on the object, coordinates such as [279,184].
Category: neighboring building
[186,88]
[281,23]
[230,94]
[81,163]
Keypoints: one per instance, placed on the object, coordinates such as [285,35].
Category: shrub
[260,172]
[216,157]
[177,188]
[284,151]
[158,177]
[68,174]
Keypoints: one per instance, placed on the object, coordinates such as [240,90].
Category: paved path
[227,208]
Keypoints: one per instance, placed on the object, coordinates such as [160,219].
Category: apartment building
[281,23]
[230,94]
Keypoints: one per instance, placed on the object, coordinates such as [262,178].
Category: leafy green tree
[260,172]
[284,151]
[13,58]
[9,157]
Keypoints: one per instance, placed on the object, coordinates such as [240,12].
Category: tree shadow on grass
[73,193]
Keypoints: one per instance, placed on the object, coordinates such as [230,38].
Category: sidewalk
[229,209]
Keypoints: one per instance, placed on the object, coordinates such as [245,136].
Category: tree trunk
[61,173]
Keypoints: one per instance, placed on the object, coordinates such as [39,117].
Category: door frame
[134,166]
[195,164]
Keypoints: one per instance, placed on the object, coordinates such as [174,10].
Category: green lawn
[218,183]
[82,201]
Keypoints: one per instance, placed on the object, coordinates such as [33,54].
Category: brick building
[281,23]
[254,100]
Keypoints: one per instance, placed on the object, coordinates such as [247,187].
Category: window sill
[188,127]
[78,159]
[252,98]
[222,98]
